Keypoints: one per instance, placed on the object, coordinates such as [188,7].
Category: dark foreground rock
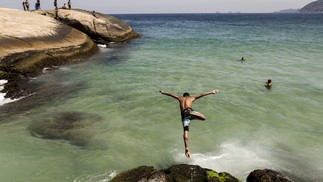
[266,175]
[193,173]
[176,173]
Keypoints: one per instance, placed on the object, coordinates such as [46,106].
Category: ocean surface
[91,120]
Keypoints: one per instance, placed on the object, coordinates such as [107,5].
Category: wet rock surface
[194,173]
[266,175]
[175,173]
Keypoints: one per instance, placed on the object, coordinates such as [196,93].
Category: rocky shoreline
[31,41]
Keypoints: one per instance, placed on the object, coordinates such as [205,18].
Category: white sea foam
[233,158]
[4,100]
[104,48]
[105,177]
[46,69]
[2,82]
[102,45]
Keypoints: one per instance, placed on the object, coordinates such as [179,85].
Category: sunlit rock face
[103,29]
[30,42]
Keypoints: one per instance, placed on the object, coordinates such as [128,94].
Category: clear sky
[169,6]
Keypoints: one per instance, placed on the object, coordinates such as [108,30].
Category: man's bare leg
[197,115]
[185,137]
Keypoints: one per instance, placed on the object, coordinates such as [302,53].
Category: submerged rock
[175,173]
[103,29]
[70,126]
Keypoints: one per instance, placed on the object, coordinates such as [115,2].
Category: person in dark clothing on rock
[24,5]
[55,4]
[37,5]
[27,5]
[69,4]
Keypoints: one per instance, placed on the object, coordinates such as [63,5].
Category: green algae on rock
[175,173]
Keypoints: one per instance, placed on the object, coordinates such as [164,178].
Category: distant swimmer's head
[268,84]
[186,94]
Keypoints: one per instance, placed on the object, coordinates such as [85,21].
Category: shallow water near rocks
[248,127]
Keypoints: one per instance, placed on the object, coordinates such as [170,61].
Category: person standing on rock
[187,112]
[55,4]
[27,5]
[69,4]
[24,5]
[56,9]
[37,5]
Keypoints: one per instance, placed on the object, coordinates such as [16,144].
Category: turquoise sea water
[126,122]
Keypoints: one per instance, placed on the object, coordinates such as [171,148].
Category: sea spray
[104,177]
[232,157]
[3,100]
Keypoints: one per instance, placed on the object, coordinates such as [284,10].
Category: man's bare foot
[187,153]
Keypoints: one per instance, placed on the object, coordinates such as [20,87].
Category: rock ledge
[30,42]
[193,173]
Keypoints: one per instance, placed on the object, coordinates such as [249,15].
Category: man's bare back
[186,102]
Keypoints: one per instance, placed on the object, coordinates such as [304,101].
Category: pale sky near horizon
[169,6]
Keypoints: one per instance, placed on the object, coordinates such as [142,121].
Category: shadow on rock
[70,126]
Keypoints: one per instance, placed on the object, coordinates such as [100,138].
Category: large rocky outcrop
[29,42]
[101,28]
[313,7]
[27,38]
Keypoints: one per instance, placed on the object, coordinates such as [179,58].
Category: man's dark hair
[269,81]
[186,94]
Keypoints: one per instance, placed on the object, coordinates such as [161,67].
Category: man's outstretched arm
[169,94]
[207,93]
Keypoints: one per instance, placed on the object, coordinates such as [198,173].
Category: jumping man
[187,112]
